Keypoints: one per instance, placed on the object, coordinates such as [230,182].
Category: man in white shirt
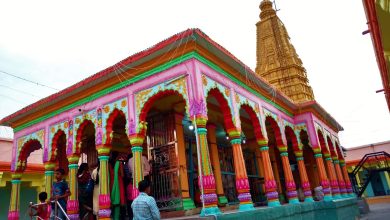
[145,166]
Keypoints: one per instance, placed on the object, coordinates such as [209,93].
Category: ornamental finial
[266,9]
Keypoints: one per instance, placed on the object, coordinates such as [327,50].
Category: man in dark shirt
[60,193]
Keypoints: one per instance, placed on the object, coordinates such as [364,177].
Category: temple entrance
[310,161]
[165,148]
[292,147]
[88,152]
[192,167]
[228,175]
[252,155]
[162,148]
[59,143]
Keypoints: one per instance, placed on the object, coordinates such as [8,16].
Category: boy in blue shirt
[60,192]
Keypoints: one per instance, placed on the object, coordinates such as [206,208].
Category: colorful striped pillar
[303,175]
[322,172]
[348,184]
[136,141]
[291,188]
[72,206]
[242,183]
[104,196]
[209,196]
[332,177]
[340,178]
[212,140]
[269,180]
[13,213]
[49,176]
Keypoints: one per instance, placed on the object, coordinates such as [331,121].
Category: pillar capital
[282,148]
[316,149]
[16,176]
[49,166]
[201,121]
[234,133]
[262,142]
[103,149]
[73,159]
[298,153]
[136,139]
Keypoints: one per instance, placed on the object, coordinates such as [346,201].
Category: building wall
[6,152]
[356,153]
[378,185]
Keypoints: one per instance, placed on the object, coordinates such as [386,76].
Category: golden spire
[277,60]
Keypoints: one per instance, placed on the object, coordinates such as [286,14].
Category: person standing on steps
[144,206]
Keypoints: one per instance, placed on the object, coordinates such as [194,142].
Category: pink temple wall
[6,146]
[193,67]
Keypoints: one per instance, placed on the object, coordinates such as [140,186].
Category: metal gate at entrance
[162,146]
[229,176]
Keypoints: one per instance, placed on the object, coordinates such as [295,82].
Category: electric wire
[27,80]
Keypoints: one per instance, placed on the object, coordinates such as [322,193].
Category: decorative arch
[322,142]
[54,144]
[79,134]
[144,99]
[290,135]
[25,151]
[255,120]
[276,130]
[110,123]
[149,103]
[225,107]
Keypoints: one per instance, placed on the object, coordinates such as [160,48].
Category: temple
[206,122]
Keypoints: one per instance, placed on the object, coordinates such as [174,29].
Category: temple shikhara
[212,129]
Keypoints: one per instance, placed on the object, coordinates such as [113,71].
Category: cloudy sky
[59,44]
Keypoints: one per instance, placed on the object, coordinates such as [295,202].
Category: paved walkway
[378,212]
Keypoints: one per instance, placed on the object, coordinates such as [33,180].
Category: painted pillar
[212,141]
[348,184]
[13,213]
[292,194]
[104,186]
[136,141]
[242,183]
[208,181]
[269,180]
[49,177]
[340,178]
[72,207]
[188,203]
[322,173]
[332,177]
[303,175]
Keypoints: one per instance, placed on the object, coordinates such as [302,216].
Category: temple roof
[190,35]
